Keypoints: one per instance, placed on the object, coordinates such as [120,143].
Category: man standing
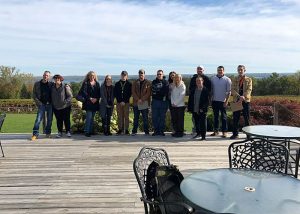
[122,92]
[192,87]
[221,87]
[42,97]
[160,91]
[241,91]
[141,92]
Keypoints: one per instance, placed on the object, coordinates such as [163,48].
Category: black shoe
[155,134]
[109,133]
[87,134]
[119,132]
[234,137]
[126,132]
[202,139]
[196,136]
[146,133]
[162,134]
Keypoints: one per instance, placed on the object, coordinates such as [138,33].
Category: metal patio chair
[2,118]
[259,154]
[145,158]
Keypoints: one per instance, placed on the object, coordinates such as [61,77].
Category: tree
[24,93]
[11,82]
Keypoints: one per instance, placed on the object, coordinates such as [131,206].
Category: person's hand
[225,104]
[242,98]
[140,102]
[122,104]
[200,110]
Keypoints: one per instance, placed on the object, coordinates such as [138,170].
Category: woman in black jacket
[106,103]
[198,106]
[90,91]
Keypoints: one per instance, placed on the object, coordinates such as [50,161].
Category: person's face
[160,75]
[46,76]
[177,80]
[199,82]
[241,70]
[172,76]
[108,81]
[92,77]
[200,70]
[141,75]
[220,71]
[124,77]
[57,81]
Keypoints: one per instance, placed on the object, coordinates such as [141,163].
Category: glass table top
[243,191]
[273,131]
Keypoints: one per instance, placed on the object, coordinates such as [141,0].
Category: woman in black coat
[198,106]
[106,103]
[90,91]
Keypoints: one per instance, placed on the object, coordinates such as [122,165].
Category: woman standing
[198,106]
[106,103]
[178,107]
[61,95]
[90,91]
[171,81]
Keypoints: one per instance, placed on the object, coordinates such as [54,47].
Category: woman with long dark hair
[106,103]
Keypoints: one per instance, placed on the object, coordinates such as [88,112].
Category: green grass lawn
[23,123]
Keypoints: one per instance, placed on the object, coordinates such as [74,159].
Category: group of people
[159,95]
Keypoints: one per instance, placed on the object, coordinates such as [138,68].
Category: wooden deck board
[89,175]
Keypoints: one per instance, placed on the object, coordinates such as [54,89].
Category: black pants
[63,117]
[106,120]
[177,114]
[200,123]
[236,118]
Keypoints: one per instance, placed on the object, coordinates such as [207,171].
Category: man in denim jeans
[141,92]
[221,88]
[42,98]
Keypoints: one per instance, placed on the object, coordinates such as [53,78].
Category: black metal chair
[259,154]
[140,167]
[2,117]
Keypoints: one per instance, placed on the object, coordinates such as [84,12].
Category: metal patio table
[242,191]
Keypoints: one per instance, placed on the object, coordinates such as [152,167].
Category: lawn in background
[23,123]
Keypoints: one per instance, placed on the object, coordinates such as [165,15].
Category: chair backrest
[142,162]
[2,118]
[258,154]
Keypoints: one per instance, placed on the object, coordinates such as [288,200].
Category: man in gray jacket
[42,98]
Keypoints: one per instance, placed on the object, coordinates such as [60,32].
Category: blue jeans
[42,109]
[136,113]
[159,110]
[89,122]
[217,107]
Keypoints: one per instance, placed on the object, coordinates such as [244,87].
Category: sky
[72,37]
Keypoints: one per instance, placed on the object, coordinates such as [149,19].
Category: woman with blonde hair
[178,106]
[90,91]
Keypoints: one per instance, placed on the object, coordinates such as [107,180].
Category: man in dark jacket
[122,92]
[160,91]
[42,97]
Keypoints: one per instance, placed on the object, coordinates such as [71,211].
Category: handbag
[80,98]
[236,106]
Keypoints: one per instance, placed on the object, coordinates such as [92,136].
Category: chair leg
[1,149]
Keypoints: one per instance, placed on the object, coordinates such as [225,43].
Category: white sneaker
[69,134]
[59,135]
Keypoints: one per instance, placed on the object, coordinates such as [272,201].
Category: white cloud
[74,37]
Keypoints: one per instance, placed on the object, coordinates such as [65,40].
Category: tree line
[17,85]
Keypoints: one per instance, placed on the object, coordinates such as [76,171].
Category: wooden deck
[89,175]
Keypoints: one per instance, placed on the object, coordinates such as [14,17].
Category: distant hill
[152,77]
